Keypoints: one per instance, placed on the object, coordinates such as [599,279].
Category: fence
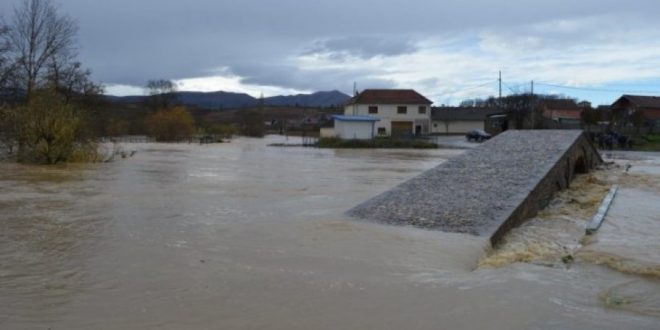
[128,139]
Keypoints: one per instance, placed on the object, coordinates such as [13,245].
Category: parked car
[477,135]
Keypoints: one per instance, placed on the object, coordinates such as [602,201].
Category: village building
[401,112]
[459,120]
[649,106]
[561,113]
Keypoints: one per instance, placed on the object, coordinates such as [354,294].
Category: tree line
[50,109]
[45,89]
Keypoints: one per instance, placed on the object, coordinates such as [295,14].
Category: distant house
[354,127]
[498,122]
[459,120]
[627,105]
[401,112]
[561,113]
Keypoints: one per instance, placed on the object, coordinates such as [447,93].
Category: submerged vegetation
[49,131]
[171,124]
[50,110]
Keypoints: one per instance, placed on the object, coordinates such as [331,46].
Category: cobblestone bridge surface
[490,189]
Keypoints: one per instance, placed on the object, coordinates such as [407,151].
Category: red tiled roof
[389,96]
[641,101]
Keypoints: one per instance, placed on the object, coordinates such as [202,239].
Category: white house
[402,112]
[355,127]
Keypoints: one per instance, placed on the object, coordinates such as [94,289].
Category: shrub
[171,125]
[221,130]
[49,131]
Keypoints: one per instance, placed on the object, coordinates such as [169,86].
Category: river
[245,236]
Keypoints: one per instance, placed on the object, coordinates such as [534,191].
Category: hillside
[227,100]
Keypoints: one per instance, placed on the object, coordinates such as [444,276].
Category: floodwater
[245,236]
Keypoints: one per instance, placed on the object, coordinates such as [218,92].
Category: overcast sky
[448,50]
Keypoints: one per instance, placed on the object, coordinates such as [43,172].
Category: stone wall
[580,158]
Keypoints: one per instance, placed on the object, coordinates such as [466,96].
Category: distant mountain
[125,99]
[216,100]
[318,99]
[227,100]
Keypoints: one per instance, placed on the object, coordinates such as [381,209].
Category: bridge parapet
[490,189]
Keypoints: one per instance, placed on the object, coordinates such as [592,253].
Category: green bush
[49,131]
[650,142]
[171,125]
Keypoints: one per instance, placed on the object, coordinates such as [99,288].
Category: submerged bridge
[489,189]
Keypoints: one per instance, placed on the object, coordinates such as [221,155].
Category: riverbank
[376,143]
[651,143]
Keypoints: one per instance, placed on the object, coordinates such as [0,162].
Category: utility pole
[533,106]
[355,94]
[500,81]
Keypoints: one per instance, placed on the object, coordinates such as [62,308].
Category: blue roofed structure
[355,118]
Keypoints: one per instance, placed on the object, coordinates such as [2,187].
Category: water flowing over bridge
[490,189]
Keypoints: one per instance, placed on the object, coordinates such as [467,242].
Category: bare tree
[6,65]
[6,69]
[161,94]
[70,79]
[38,35]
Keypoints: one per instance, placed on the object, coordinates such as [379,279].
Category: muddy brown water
[245,236]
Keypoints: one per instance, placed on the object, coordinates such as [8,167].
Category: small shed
[459,120]
[355,127]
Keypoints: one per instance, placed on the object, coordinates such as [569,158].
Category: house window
[381,131]
[402,110]
[373,109]
[422,110]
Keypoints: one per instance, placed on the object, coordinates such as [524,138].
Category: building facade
[648,107]
[561,113]
[401,112]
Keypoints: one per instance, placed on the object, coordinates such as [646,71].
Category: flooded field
[245,236]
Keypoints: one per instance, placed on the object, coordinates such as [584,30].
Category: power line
[509,87]
[604,90]
[514,86]
[475,87]
[470,88]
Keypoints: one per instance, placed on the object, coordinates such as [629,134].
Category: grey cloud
[129,42]
[364,47]
[296,78]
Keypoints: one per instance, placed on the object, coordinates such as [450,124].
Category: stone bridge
[489,189]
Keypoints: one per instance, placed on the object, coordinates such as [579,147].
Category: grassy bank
[650,142]
[381,143]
